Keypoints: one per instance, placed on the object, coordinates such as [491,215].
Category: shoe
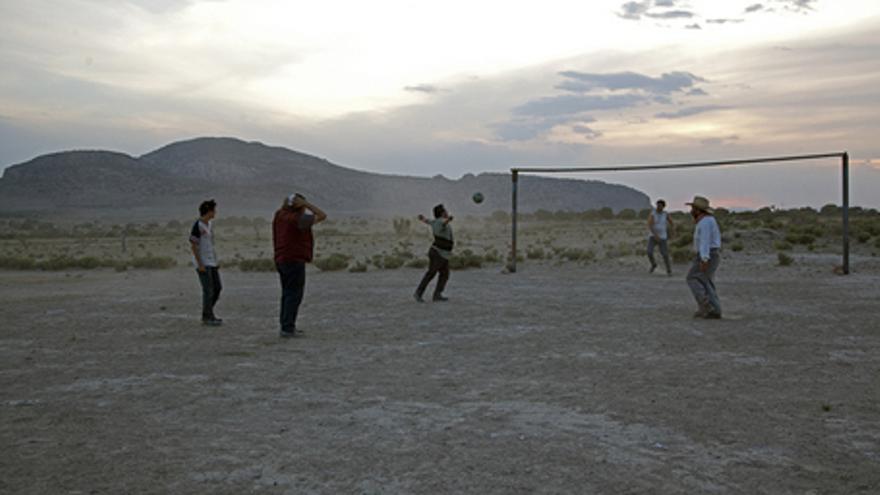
[287,335]
[213,322]
[439,298]
[713,315]
[701,313]
[418,297]
[669,273]
[653,267]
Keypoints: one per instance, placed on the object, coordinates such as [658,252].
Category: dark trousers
[437,264]
[211,287]
[293,285]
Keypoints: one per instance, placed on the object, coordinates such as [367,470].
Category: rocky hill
[252,179]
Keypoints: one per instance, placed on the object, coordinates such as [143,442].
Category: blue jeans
[293,285]
[702,283]
[211,287]
[664,251]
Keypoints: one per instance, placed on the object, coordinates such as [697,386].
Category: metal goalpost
[844,165]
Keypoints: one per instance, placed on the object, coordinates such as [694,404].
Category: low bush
[333,262]
[358,267]
[417,263]
[737,247]
[784,259]
[576,254]
[466,259]
[393,262]
[681,255]
[153,262]
[257,265]
[782,246]
[535,254]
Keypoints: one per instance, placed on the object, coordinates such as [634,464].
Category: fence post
[511,266]
[845,167]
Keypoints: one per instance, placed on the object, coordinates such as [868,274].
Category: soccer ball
[478,198]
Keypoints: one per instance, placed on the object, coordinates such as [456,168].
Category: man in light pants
[707,244]
[659,230]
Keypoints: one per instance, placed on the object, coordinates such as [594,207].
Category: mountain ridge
[252,178]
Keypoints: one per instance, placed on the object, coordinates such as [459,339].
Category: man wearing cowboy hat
[707,243]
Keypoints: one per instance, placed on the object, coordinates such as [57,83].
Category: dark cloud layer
[422,88]
[688,111]
[667,83]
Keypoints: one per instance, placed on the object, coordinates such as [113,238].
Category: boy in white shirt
[707,244]
[201,239]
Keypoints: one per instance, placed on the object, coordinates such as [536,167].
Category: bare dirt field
[562,378]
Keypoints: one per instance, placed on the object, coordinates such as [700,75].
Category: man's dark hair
[661,202]
[206,206]
[438,211]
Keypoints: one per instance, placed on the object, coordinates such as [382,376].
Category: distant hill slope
[252,178]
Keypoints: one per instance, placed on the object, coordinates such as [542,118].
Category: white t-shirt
[202,234]
[661,221]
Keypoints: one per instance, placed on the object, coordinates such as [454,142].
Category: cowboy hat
[700,203]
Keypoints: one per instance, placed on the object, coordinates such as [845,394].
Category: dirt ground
[558,379]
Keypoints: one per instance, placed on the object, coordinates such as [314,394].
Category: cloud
[803,6]
[697,92]
[575,104]
[724,21]
[693,26]
[667,83]
[715,141]
[524,129]
[757,7]
[634,10]
[665,3]
[587,132]
[687,112]
[422,88]
[671,14]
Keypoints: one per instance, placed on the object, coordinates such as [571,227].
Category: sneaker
[653,267]
[713,315]
[287,335]
[418,297]
[213,322]
[669,273]
[439,298]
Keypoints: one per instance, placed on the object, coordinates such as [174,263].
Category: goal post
[842,155]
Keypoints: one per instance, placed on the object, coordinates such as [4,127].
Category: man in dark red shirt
[294,247]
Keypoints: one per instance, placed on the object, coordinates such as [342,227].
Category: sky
[427,88]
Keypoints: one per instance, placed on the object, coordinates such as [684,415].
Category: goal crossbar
[842,155]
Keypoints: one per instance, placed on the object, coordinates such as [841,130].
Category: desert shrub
[737,247]
[492,256]
[863,237]
[784,259]
[680,255]
[576,254]
[257,265]
[535,253]
[358,267]
[401,226]
[627,214]
[17,263]
[417,263]
[333,262]
[392,262]
[782,246]
[153,262]
[618,251]
[466,259]
[799,238]
[684,240]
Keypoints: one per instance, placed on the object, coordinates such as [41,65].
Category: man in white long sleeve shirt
[707,243]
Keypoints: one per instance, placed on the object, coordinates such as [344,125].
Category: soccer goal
[844,164]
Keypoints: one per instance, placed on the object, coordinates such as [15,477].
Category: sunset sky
[455,87]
